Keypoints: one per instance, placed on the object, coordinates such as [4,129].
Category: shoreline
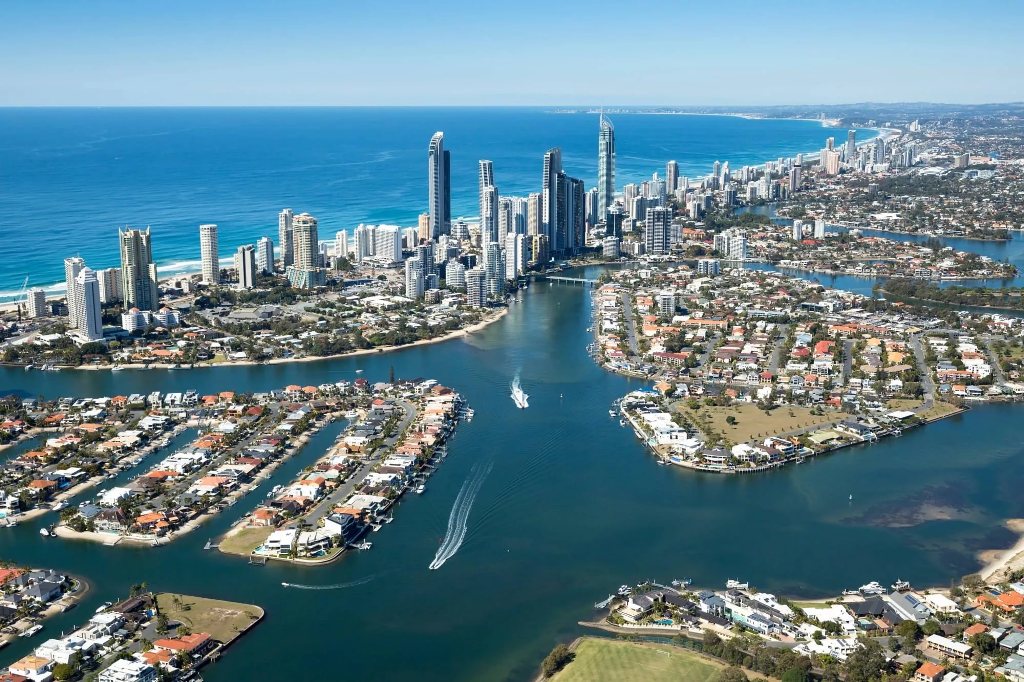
[454,334]
[1000,562]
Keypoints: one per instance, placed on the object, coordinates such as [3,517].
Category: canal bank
[566,486]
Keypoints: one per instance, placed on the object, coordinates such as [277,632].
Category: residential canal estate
[563,486]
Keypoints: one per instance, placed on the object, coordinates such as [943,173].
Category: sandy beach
[999,562]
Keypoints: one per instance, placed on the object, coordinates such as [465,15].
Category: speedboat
[872,587]
[519,396]
[44,532]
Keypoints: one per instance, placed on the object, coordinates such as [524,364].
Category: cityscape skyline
[108,54]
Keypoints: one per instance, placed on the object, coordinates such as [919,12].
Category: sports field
[600,660]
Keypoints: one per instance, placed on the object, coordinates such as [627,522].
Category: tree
[865,663]
[559,657]
[931,627]
[731,674]
[794,675]
[63,671]
[983,642]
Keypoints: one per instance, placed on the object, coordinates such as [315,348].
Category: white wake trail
[459,517]
[336,586]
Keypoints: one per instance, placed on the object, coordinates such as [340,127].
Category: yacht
[871,588]
[44,532]
[900,585]
[32,630]
[519,396]
[420,489]
[624,590]
[736,585]
[104,606]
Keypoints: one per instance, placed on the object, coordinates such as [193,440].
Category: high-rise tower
[438,186]
[285,238]
[138,271]
[208,247]
[605,165]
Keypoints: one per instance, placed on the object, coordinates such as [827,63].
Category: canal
[571,508]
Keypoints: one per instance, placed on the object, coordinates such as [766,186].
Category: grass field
[938,408]
[223,620]
[754,424]
[245,540]
[599,659]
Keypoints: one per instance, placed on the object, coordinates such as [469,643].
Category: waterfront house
[128,670]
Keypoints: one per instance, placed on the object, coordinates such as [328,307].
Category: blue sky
[454,52]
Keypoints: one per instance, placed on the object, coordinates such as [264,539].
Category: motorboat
[45,532]
[900,585]
[872,587]
[736,585]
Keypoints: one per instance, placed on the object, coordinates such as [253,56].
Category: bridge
[573,280]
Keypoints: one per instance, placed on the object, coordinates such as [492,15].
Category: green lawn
[244,541]
[599,659]
[221,619]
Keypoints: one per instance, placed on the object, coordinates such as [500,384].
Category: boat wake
[336,586]
[519,396]
[459,516]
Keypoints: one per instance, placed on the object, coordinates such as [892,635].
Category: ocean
[70,177]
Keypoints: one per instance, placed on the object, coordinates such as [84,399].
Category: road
[997,370]
[345,489]
[848,345]
[776,358]
[627,313]
[926,373]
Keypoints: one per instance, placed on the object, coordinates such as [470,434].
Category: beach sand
[997,563]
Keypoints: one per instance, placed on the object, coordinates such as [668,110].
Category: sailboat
[519,397]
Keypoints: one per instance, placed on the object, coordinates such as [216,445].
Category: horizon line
[508,106]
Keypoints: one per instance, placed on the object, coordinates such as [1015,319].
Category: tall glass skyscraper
[439,189]
[605,166]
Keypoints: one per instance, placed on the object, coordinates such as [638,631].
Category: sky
[527,52]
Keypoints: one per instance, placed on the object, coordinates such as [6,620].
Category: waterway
[1011,251]
[572,507]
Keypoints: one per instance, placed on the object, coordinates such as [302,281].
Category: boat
[622,422]
[44,532]
[364,545]
[420,488]
[11,523]
[59,506]
[736,585]
[519,396]
[871,588]
[900,585]
[611,413]
[104,606]
[31,631]
[116,368]
[851,496]
[850,593]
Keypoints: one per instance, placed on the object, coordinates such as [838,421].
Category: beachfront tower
[305,272]
[265,255]
[438,186]
[549,190]
[671,176]
[73,266]
[138,271]
[285,238]
[605,165]
[87,301]
[209,260]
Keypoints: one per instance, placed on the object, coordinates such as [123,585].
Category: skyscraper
[488,214]
[245,266]
[414,278]
[594,216]
[549,190]
[341,244]
[605,165]
[613,221]
[87,301]
[73,266]
[387,243]
[305,272]
[438,186]
[671,176]
[485,180]
[285,238]
[208,247]
[851,145]
[265,255]
[575,214]
[110,285]
[36,301]
[657,232]
[138,271]
[476,293]
[534,213]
